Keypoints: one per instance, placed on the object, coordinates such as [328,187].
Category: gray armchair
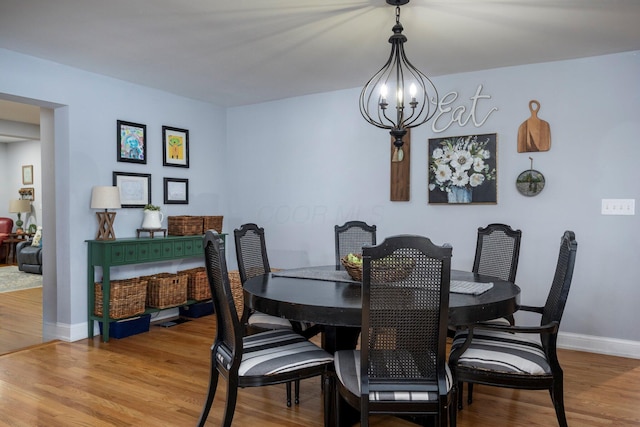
[29,257]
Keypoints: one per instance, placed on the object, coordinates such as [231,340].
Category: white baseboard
[601,345]
[79,331]
[588,343]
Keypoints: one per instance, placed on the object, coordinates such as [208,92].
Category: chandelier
[395,83]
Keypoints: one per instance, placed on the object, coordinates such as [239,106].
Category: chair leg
[327,384]
[459,397]
[470,393]
[453,410]
[289,394]
[297,392]
[442,418]
[453,415]
[213,385]
[557,397]
[230,407]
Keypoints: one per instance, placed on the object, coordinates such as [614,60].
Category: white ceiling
[247,51]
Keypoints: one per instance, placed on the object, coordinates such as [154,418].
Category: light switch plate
[618,206]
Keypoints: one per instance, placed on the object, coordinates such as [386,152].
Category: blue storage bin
[127,327]
[198,309]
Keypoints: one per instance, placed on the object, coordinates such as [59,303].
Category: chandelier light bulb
[383,91]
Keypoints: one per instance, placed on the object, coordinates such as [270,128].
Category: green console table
[119,252]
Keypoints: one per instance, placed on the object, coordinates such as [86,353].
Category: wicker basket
[400,268]
[212,223]
[236,291]
[126,298]
[184,225]
[197,284]
[166,290]
[354,270]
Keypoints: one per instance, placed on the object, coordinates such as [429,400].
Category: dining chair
[266,358]
[497,251]
[521,357]
[401,366]
[497,254]
[251,253]
[351,237]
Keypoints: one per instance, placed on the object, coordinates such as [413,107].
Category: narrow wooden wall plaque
[401,172]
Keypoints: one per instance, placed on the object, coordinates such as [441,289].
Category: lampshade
[19,206]
[399,96]
[105,197]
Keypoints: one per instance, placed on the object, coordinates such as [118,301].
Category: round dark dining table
[316,296]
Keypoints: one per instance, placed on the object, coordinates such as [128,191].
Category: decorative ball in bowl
[353,264]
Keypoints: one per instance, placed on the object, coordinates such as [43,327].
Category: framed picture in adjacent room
[175,147]
[135,189]
[27,193]
[176,191]
[27,175]
[463,169]
[132,142]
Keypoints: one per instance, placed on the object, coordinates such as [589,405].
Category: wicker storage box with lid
[166,290]
[197,284]
[212,223]
[184,225]
[126,298]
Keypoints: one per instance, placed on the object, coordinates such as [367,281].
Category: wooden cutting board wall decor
[534,134]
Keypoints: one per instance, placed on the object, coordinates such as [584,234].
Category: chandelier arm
[425,83]
[366,98]
[396,52]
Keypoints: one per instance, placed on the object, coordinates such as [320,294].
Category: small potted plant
[152,218]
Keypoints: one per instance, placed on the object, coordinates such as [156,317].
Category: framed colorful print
[175,147]
[176,191]
[132,142]
[135,189]
[462,169]
[27,175]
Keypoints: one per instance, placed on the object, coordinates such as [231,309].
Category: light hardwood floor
[160,378]
[20,319]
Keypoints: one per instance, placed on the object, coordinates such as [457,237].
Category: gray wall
[86,107]
[306,164]
[12,157]
[301,165]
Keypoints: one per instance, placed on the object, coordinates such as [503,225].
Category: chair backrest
[557,298]
[352,236]
[6,225]
[228,329]
[497,251]
[251,251]
[405,301]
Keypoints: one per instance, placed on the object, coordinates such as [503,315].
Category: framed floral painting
[463,169]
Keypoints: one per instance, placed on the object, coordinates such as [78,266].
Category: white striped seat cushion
[274,352]
[266,321]
[347,365]
[503,352]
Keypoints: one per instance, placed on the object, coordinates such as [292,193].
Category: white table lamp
[104,197]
